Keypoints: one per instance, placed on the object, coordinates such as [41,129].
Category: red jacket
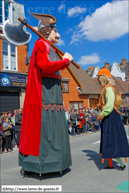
[82,115]
[31,119]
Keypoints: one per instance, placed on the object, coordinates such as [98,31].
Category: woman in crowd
[7,127]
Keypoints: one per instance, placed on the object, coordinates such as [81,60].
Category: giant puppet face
[54,36]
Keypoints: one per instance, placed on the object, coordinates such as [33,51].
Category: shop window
[9,53]
[65,86]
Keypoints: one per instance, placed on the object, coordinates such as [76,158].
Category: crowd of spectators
[84,120]
[78,122]
[10,128]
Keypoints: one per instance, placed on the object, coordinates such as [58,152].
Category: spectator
[67,118]
[7,127]
[99,122]
[88,110]
[1,115]
[1,137]
[126,115]
[94,121]
[91,109]
[86,117]
[95,111]
[12,131]
[4,115]
[83,120]
[73,121]
[90,124]
[18,122]
[10,116]
[78,122]
[15,112]
[122,110]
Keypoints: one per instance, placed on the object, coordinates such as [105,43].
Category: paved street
[87,173]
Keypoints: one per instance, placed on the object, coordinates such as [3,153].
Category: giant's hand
[99,118]
[68,56]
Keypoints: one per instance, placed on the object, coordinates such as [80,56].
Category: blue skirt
[114,141]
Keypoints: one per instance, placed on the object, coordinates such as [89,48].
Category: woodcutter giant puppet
[44,141]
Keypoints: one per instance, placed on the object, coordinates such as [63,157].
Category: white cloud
[76,11]
[107,23]
[62,6]
[91,59]
[61,42]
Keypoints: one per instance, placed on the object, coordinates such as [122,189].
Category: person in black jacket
[18,122]
[78,118]
[73,121]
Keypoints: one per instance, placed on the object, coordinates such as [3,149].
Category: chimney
[123,61]
[106,65]
[90,68]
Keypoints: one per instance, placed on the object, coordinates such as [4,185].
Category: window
[4,11]
[65,85]
[13,57]
[0,11]
[9,52]
[76,104]
[5,55]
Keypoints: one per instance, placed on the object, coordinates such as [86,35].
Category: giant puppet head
[105,77]
[47,26]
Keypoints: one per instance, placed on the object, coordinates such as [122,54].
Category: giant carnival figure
[44,141]
[114,143]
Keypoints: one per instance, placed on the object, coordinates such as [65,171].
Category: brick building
[79,88]
[13,70]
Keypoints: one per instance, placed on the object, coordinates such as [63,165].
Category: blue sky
[93,32]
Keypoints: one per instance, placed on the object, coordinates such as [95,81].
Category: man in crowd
[94,117]
[67,118]
[15,112]
[95,111]
[90,124]
[18,122]
[73,121]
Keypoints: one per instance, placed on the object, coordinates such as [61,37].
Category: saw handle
[40,35]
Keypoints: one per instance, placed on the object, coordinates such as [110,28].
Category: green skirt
[54,155]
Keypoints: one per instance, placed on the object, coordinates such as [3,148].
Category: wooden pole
[39,34]
[73,75]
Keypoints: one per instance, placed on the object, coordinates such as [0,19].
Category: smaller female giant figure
[114,143]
